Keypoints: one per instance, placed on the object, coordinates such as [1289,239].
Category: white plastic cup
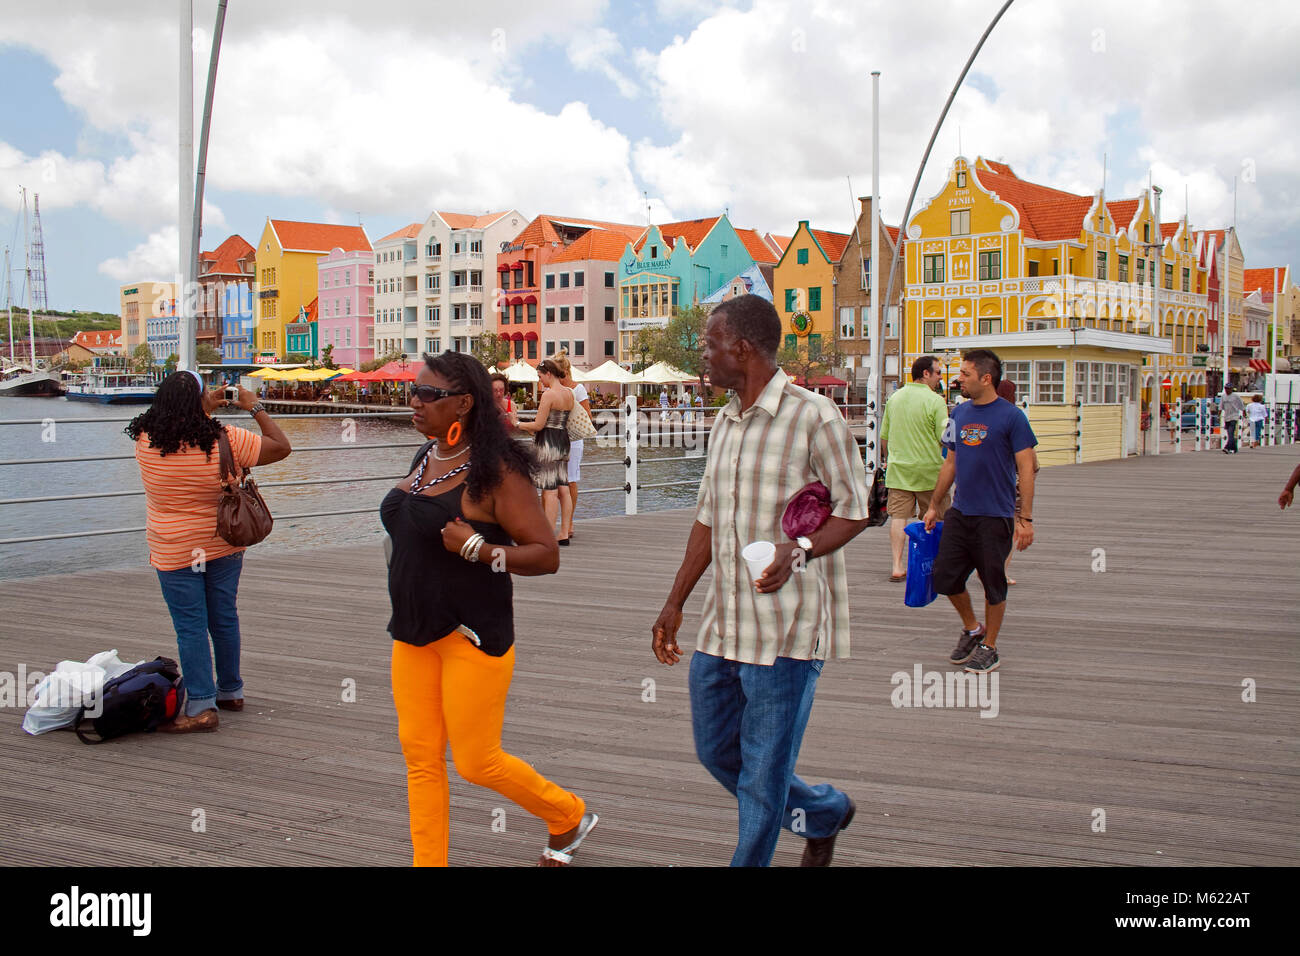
[759,556]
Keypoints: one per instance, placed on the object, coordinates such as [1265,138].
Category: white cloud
[154,259]
[596,51]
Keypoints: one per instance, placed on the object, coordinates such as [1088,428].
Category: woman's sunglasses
[428,393]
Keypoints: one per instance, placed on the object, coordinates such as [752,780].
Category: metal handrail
[279,418]
[51,461]
[261,485]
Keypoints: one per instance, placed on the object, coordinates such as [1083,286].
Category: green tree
[393,356]
[169,364]
[142,358]
[206,354]
[491,349]
[680,343]
[297,358]
[808,360]
[327,356]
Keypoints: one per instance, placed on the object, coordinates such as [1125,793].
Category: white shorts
[575,461]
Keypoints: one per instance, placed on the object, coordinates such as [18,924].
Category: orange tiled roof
[541,229]
[604,245]
[460,220]
[893,233]
[313,308]
[778,243]
[1266,280]
[759,250]
[224,260]
[96,339]
[319,237]
[692,231]
[1167,229]
[1122,211]
[406,232]
[832,243]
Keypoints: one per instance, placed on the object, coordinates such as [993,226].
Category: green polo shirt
[914,419]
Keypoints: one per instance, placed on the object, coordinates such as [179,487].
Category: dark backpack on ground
[142,698]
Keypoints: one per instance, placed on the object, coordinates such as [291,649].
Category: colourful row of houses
[990,256]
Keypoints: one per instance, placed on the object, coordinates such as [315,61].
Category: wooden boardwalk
[1120,691]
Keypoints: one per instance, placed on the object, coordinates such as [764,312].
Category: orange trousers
[451,692]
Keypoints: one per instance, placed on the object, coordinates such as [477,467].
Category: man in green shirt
[910,437]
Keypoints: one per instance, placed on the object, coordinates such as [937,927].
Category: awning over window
[530,336]
[530,300]
[1260,365]
[516,300]
[504,267]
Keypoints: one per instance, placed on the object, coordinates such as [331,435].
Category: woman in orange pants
[466,515]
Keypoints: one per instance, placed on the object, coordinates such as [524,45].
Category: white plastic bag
[59,697]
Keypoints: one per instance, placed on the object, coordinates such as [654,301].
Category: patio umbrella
[661,373]
[521,371]
[320,374]
[610,372]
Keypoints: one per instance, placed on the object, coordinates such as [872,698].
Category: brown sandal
[205,722]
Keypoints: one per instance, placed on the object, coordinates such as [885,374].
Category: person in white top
[1257,413]
[575,447]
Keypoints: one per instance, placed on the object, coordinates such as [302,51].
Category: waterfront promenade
[1120,691]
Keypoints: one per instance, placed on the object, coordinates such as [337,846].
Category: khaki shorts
[907,504]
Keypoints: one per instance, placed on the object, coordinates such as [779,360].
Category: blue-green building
[678,264]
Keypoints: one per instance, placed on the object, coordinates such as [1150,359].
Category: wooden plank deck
[1119,691]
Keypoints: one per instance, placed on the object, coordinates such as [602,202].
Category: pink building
[345,291]
[580,299]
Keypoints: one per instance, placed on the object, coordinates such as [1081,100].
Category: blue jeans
[749,721]
[201,602]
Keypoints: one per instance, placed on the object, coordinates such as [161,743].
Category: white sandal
[565,857]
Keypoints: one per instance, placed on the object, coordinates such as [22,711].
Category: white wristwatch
[805,542]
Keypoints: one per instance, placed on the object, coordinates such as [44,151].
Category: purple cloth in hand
[807,510]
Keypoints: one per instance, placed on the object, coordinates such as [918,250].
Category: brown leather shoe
[236,704]
[205,722]
[818,851]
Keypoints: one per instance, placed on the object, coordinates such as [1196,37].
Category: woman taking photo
[575,446]
[176,447]
[466,512]
[551,432]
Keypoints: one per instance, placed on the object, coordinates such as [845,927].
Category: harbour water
[83,430]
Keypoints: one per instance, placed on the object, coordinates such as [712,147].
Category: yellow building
[994,254]
[139,302]
[803,287]
[286,276]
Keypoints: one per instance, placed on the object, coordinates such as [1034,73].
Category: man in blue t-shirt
[989,442]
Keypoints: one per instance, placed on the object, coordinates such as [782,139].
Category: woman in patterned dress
[551,432]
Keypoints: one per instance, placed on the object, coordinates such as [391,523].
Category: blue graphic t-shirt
[986,439]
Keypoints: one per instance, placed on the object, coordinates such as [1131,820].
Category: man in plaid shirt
[762,643]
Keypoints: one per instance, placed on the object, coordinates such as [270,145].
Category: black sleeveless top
[434,591]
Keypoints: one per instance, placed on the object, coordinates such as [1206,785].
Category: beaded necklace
[416,487]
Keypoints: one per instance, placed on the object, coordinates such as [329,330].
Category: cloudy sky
[331,110]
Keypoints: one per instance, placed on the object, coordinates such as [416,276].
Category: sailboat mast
[9,301]
[27,279]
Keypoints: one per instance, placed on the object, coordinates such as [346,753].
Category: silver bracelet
[473,555]
[470,542]
[259,407]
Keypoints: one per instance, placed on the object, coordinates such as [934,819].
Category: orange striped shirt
[181,492]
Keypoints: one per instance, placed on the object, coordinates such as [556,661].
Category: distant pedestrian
[664,404]
[177,449]
[762,644]
[504,404]
[1257,412]
[989,444]
[576,446]
[910,437]
[550,430]
[1232,412]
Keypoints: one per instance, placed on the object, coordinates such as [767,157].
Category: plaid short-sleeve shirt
[757,462]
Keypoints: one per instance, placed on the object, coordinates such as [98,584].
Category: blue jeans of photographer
[202,602]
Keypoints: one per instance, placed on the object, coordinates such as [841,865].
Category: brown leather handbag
[243,518]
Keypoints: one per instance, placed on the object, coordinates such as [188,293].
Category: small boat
[21,381]
[112,381]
